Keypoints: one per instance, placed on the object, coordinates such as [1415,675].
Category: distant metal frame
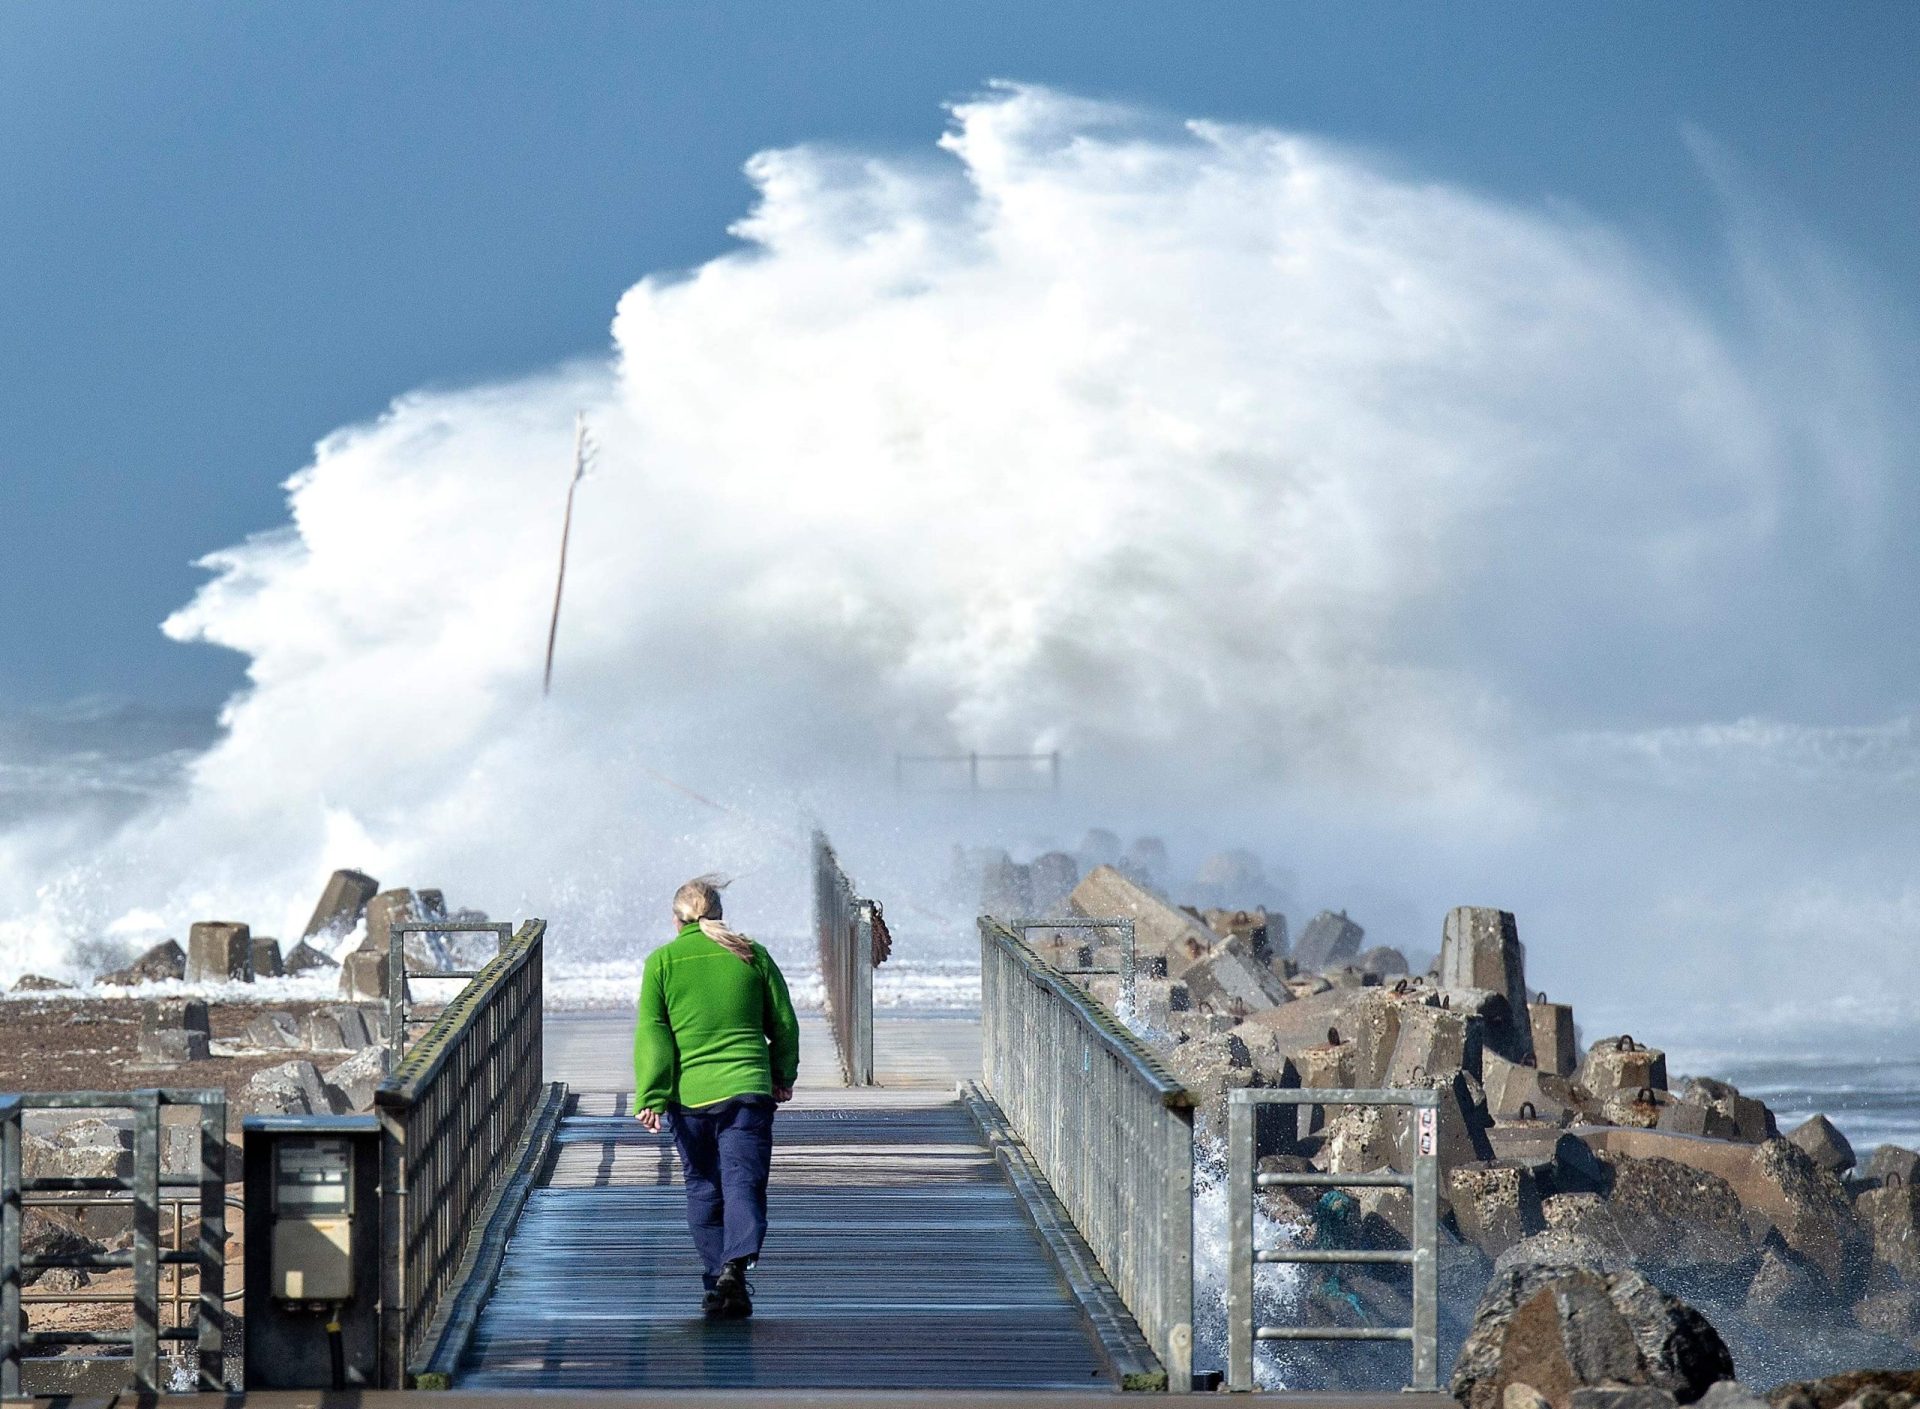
[973,762]
[1129,962]
[398,973]
[146,1257]
[1243,1253]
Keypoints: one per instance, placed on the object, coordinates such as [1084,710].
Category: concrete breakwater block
[219,951]
[266,958]
[341,904]
[165,961]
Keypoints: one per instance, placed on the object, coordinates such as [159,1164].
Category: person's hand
[649,1121]
[782,1094]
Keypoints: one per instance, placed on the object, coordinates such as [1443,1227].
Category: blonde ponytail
[698,902]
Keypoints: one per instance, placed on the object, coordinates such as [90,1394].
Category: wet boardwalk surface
[899,1257]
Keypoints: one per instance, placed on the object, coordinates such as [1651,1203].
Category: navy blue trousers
[725,1152]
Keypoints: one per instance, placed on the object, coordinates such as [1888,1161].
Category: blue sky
[226,230]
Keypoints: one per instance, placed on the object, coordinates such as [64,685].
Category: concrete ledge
[479,1270]
[1129,1358]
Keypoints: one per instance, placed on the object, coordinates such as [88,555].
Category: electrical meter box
[313,1250]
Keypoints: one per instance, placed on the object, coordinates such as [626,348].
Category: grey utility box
[313,1251]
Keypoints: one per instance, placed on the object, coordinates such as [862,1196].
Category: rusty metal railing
[1243,1254]
[853,942]
[1109,1127]
[146,1257]
[453,1112]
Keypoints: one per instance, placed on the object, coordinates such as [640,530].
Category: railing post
[146,1242]
[1177,1209]
[1240,1249]
[10,1219]
[213,1245]
[1426,1228]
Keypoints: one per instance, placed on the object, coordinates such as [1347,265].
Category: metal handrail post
[146,1241]
[1129,957]
[1243,1328]
[11,1212]
[211,1317]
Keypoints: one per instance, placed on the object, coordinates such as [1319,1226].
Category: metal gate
[1243,1254]
[146,1257]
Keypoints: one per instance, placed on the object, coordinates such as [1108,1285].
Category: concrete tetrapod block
[1158,927]
[342,903]
[1231,980]
[187,1014]
[266,958]
[1621,1064]
[1826,1145]
[1495,1203]
[1328,941]
[1554,1049]
[219,951]
[166,960]
[1480,948]
[274,1030]
[364,974]
[168,1047]
[304,957]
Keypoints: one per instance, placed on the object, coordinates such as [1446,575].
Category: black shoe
[732,1293]
[712,1302]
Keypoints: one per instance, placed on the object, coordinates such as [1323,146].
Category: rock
[1621,1064]
[1730,1394]
[1307,986]
[1564,1163]
[219,951]
[82,1149]
[1539,1255]
[38,983]
[1523,1396]
[1146,858]
[354,1081]
[1383,960]
[1053,875]
[1621,1397]
[292,1088]
[1891,1214]
[1870,1387]
[1559,1327]
[1328,941]
[1480,948]
[266,958]
[1006,889]
[339,1027]
[1554,1048]
[273,1031]
[1231,980]
[304,957]
[1250,928]
[1156,1000]
[364,974]
[1894,1313]
[166,960]
[1158,927]
[1208,1072]
[342,903]
[1670,1214]
[1891,1163]
[48,1233]
[1495,1204]
[1516,1092]
[1781,1284]
[1825,1145]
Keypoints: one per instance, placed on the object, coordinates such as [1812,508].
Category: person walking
[715,1050]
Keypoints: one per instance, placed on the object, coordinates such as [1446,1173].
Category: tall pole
[580,457]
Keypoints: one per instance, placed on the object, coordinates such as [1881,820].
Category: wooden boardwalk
[899,1256]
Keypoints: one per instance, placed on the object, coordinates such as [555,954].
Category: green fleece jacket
[712,1026]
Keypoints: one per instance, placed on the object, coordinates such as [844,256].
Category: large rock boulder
[1869,1389]
[219,951]
[38,983]
[1158,928]
[1327,941]
[1671,1214]
[1480,948]
[342,903]
[1559,1316]
[1812,1212]
[164,962]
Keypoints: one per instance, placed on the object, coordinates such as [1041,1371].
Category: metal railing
[1109,1127]
[1028,761]
[1244,1254]
[1128,957]
[146,1257]
[453,1111]
[399,996]
[853,943]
